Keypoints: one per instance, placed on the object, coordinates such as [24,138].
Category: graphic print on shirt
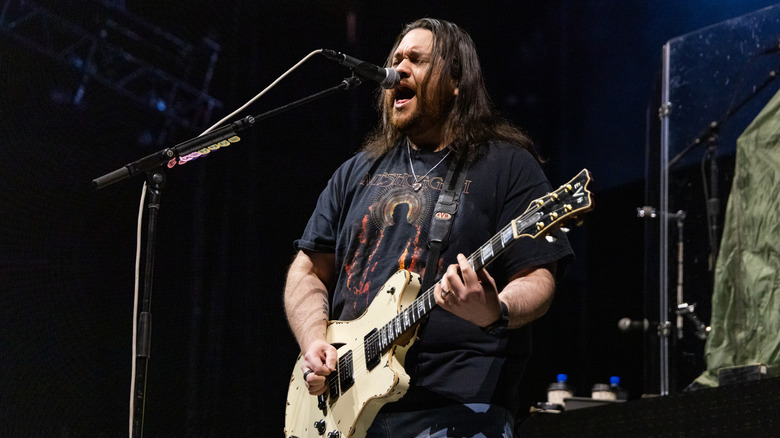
[392,235]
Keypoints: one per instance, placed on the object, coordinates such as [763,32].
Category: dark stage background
[579,76]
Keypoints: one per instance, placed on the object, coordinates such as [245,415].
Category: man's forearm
[306,301]
[529,296]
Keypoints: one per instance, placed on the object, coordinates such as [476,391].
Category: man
[373,218]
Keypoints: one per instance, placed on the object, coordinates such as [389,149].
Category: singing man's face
[410,111]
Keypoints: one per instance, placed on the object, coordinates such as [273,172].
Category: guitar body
[352,413]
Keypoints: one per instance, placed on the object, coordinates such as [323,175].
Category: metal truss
[103,42]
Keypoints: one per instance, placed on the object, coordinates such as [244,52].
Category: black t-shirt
[375,223]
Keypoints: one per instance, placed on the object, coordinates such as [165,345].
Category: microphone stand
[155,184]
[713,200]
[153,166]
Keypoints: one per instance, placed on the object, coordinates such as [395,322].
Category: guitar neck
[425,302]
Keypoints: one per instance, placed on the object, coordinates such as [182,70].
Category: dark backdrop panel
[576,76]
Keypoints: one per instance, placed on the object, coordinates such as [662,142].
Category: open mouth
[403,95]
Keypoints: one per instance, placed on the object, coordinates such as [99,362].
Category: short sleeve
[321,231]
[525,182]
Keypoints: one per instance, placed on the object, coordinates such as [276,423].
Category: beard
[424,113]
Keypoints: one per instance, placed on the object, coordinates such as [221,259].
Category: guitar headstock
[550,211]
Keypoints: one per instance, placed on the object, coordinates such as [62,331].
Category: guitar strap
[443,215]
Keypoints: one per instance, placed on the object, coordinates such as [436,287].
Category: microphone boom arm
[160,158]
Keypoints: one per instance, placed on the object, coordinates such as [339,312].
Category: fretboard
[425,302]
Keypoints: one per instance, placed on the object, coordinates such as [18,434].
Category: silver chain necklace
[417,185]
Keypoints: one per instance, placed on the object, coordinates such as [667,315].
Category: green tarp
[746,297]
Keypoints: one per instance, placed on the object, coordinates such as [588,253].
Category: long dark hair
[472,120]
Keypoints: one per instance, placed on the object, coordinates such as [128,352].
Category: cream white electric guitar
[372,349]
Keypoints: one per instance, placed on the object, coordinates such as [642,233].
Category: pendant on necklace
[416,186]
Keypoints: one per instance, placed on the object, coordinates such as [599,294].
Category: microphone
[627,324]
[387,77]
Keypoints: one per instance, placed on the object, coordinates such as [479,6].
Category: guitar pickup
[372,349]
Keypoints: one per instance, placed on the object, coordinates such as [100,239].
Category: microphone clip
[351,82]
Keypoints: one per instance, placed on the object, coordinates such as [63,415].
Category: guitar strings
[427,295]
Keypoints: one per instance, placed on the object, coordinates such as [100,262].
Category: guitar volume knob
[334,434]
[320,426]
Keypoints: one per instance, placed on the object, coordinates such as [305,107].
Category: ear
[455,91]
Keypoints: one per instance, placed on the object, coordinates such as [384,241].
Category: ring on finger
[306,374]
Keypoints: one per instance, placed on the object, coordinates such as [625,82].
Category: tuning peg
[565,229]
[550,238]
